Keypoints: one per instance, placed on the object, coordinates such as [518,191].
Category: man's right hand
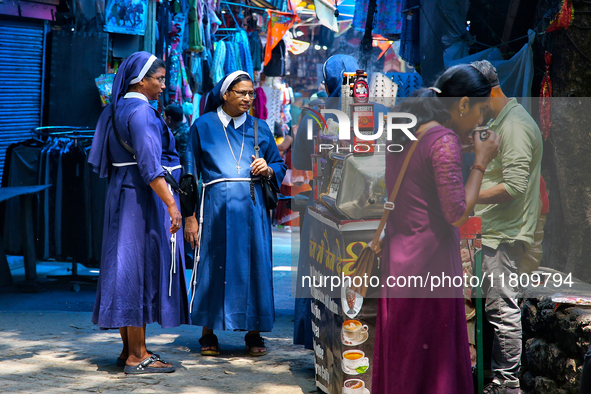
[486,150]
[191,231]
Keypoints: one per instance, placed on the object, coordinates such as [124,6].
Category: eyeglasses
[243,93]
[161,79]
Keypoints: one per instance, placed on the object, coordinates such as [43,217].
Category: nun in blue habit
[141,277]
[232,284]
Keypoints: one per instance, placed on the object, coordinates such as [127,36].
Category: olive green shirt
[518,166]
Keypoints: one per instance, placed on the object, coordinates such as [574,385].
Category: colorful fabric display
[219,57]
[241,40]
[230,64]
[195,37]
[259,107]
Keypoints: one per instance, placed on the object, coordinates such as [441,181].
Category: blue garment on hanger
[241,40]
[230,64]
[410,43]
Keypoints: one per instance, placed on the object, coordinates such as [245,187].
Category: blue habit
[234,288]
[133,287]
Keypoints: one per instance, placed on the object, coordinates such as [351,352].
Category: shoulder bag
[269,188]
[368,261]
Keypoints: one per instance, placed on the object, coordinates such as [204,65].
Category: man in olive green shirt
[508,204]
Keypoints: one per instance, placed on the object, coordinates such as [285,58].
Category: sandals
[209,341]
[121,361]
[144,367]
[254,340]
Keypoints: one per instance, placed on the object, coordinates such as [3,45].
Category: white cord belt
[197,255]
[173,245]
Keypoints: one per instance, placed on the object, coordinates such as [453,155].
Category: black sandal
[144,367]
[209,341]
[255,340]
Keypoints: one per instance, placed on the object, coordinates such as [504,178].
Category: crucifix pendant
[238,168]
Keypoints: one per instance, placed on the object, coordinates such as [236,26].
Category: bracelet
[479,168]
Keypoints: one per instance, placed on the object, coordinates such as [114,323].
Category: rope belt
[197,255]
[173,243]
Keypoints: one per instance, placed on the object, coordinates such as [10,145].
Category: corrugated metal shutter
[21,79]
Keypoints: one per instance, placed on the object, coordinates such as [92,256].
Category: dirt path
[62,352]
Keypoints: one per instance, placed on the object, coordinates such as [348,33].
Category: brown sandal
[255,340]
[209,341]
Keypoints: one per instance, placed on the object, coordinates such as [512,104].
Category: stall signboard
[343,322]
[126,16]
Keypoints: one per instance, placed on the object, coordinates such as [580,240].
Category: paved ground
[48,345]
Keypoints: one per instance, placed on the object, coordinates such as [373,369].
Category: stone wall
[555,337]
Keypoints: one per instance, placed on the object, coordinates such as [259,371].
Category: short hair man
[508,204]
[173,116]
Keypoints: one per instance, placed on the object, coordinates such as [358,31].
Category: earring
[461,114]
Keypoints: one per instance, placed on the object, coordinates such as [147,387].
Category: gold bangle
[479,168]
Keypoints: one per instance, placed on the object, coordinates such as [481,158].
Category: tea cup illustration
[354,386]
[353,358]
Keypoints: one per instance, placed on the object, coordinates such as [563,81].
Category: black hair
[463,80]
[456,82]
[157,65]
[175,112]
[278,130]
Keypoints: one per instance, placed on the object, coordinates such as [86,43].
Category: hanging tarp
[515,74]
[325,14]
[279,23]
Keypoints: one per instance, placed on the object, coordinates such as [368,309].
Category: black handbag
[269,187]
[188,184]
[187,193]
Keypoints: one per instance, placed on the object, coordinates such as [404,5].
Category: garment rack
[75,133]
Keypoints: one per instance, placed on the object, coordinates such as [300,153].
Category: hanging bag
[270,190]
[368,261]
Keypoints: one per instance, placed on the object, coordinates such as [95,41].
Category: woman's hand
[175,218]
[191,231]
[486,150]
[259,167]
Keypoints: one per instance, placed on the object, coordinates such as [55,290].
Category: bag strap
[256,138]
[167,177]
[119,139]
[382,224]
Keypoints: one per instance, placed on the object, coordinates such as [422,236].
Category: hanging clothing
[276,66]
[259,106]
[22,171]
[234,278]
[230,64]
[241,40]
[256,47]
[219,57]
[410,40]
[387,19]
[415,335]
[195,36]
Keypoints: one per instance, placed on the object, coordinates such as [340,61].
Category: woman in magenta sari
[421,335]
